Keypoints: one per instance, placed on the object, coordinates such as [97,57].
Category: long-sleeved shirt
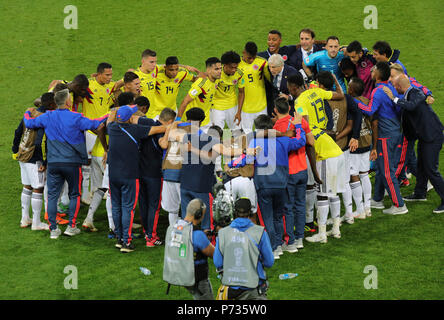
[65,134]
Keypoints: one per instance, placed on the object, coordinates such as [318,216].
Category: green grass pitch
[36,48]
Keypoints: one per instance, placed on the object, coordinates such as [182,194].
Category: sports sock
[309,204]
[366,189]
[356,189]
[335,206]
[36,205]
[95,203]
[322,211]
[347,199]
[86,172]
[109,212]
[26,202]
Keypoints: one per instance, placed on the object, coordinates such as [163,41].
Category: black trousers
[428,167]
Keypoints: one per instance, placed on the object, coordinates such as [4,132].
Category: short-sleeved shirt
[311,103]
[97,103]
[166,90]
[197,174]
[253,82]
[147,82]
[296,159]
[202,92]
[200,242]
[226,95]
[123,154]
[322,61]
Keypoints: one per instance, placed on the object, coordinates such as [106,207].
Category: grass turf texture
[406,250]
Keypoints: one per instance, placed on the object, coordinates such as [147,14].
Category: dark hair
[383,69]
[354,46]
[102,66]
[142,101]
[230,57]
[216,132]
[125,98]
[281,105]
[129,76]
[296,79]
[263,121]
[167,114]
[210,61]
[171,60]
[332,38]
[275,32]
[383,47]
[358,86]
[251,48]
[347,64]
[81,80]
[307,30]
[195,114]
[47,99]
[326,79]
[148,53]
[60,86]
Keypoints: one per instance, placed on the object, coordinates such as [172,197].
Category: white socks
[366,189]
[309,204]
[109,212]
[36,205]
[26,202]
[323,209]
[335,206]
[347,199]
[173,217]
[86,172]
[356,189]
[95,203]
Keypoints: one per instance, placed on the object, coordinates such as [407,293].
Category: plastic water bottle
[285,276]
[145,271]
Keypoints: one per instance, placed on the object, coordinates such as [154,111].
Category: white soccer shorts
[359,162]
[170,196]
[31,176]
[333,175]
[220,117]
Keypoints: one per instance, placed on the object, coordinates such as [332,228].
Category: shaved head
[401,83]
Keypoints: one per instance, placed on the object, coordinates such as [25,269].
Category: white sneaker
[299,243]
[429,186]
[368,212]
[376,204]
[321,236]
[25,223]
[348,219]
[54,234]
[360,215]
[71,231]
[290,247]
[87,224]
[396,210]
[276,255]
[40,226]
[279,250]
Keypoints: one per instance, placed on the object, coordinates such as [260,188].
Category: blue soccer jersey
[323,62]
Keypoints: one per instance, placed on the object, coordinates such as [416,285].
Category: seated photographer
[242,251]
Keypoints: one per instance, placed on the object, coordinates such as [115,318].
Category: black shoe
[414,197]
[127,247]
[440,209]
[119,244]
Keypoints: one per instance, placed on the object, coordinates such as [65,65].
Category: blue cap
[125,112]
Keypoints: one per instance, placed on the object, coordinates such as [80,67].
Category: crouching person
[187,249]
[242,251]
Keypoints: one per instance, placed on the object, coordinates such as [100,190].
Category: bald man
[419,121]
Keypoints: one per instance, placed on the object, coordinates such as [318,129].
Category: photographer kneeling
[242,250]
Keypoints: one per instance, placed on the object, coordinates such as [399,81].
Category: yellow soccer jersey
[98,101]
[166,90]
[325,146]
[254,83]
[97,150]
[311,103]
[226,95]
[202,92]
[147,83]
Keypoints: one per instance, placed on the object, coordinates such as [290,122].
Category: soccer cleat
[70,231]
[360,215]
[404,183]
[54,234]
[440,209]
[299,243]
[127,247]
[59,220]
[321,236]
[368,212]
[396,210]
[290,247]
[87,224]
[310,227]
[376,204]
[329,221]
[348,219]
[153,241]
[40,226]
[335,232]
[119,244]
[25,223]
[414,197]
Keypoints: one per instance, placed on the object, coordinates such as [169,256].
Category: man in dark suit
[419,121]
[306,46]
[278,83]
